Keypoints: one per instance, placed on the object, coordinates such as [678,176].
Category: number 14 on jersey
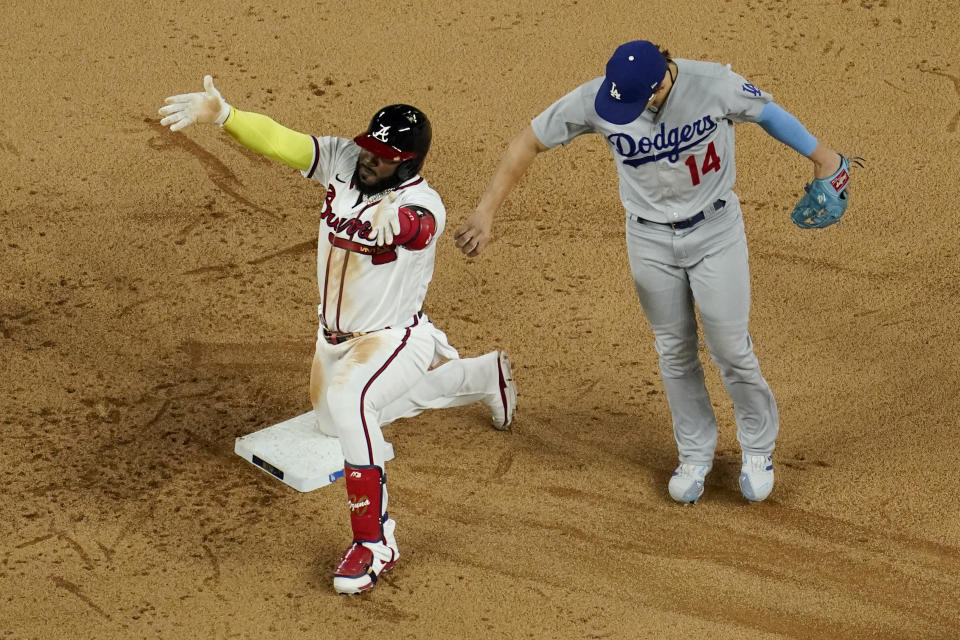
[711,162]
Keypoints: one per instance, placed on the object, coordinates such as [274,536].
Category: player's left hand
[826,199]
[385,223]
[207,106]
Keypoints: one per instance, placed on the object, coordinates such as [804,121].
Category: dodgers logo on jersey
[752,90]
[667,143]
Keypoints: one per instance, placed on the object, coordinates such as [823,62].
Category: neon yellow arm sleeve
[259,133]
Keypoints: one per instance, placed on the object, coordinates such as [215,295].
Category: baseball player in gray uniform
[378,357]
[669,125]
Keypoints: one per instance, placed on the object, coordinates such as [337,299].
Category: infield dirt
[158,299]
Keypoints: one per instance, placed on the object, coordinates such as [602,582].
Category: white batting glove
[203,107]
[385,223]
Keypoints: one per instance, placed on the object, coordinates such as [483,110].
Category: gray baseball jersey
[673,163]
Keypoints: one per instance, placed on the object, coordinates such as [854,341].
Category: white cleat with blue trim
[686,484]
[756,477]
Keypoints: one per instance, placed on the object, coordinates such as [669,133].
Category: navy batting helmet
[399,133]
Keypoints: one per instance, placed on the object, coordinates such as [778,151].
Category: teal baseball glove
[826,199]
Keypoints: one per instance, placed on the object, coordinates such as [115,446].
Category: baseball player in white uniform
[669,125]
[378,356]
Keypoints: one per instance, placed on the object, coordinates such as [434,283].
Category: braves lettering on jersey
[675,162]
[353,273]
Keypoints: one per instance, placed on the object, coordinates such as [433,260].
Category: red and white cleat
[503,401]
[359,568]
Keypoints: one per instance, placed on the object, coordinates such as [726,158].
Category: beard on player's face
[377,185]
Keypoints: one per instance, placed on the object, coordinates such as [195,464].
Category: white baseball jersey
[675,162]
[362,290]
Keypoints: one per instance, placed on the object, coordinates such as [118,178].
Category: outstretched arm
[783,126]
[259,133]
[253,130]
[474,234]
[825,199]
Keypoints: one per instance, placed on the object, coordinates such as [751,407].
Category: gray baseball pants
[706,268]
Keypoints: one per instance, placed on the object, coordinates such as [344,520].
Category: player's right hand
[203,107]
[385,223]
[473,235]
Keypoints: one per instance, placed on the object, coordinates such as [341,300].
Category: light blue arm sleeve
[783,126]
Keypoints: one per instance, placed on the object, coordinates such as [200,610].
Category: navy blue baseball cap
[634,70]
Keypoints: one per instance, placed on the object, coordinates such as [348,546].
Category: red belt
[380,254]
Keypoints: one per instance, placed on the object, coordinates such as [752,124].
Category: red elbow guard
[417,227]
